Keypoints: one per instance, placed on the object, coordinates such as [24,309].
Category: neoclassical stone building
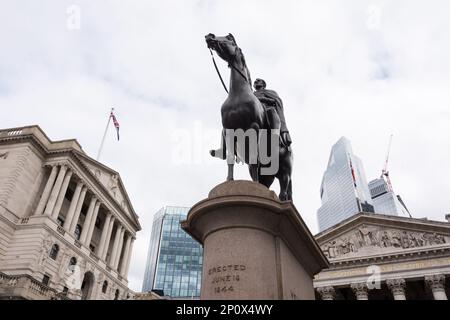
[374,256]
[66,223]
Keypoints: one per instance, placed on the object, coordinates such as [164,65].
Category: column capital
[397,287]
[326,293]
[361,291]
[76,177]
[395,284]
[436,282]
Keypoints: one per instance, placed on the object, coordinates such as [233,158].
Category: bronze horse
[242,110]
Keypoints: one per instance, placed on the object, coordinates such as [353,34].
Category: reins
[218,72]
[231,65]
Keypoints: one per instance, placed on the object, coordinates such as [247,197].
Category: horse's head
[225,47]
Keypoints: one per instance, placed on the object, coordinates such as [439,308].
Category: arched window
[116,295]
[105,286]
[54,252]
[73,261]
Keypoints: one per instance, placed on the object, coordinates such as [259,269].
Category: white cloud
[363,69]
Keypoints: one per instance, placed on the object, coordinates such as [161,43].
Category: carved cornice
[381,220]
[367,242]
[390,257]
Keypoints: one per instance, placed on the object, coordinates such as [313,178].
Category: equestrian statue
[260,112]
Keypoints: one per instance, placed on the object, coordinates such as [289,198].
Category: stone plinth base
[255,246]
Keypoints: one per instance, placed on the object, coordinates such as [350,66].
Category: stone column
[46,193]
[360,290]
[78,208]
[115,245]
[61,195]
[104,252]
[130,251]
[73,205]
[397,287]
[87,221]
[104,233]
[119,249]
[123,264]
[55,191]
[326,293]
[92,223]
[436,282]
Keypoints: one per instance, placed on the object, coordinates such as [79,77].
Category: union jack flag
[116,124]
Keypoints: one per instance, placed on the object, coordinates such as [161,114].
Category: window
[97,223]
[54,251]
[116,295]
[105,286]
[73,261]
[46,279]
[92,247]
[69,194]
[65,291]
[60,221]
[77,232]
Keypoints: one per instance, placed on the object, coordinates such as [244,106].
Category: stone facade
[376,256]
[67,226]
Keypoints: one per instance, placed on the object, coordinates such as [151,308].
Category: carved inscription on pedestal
[226,278]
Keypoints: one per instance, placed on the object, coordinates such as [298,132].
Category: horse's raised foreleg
[230,153]
[220,153]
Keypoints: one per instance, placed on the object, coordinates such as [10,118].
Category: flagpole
[104,136]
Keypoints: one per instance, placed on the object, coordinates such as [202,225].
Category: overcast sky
[360,69]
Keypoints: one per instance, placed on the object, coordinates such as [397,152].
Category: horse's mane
[244,63]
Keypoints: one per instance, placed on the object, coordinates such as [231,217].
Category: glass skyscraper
[174,261]
[384,199]
[344,190]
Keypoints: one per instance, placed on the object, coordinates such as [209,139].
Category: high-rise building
[344,190]
[174,261]
[384,199]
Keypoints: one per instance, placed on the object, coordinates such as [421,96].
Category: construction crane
[385,172]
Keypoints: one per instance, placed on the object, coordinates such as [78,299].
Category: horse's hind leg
[289,190]
[253,169]
[284,180]
[251,152]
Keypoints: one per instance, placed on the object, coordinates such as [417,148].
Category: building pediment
[367,235]
[111,181]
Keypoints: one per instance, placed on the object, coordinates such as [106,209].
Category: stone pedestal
[254,246]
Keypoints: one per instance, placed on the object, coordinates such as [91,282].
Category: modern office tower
[174,261]
[384,199]
[344,190]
